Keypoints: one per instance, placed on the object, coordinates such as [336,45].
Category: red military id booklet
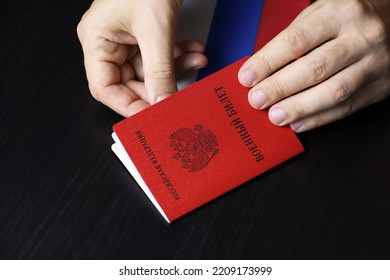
[200,143]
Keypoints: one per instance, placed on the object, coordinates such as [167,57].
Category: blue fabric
[232,33]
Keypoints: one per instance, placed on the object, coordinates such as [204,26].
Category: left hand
[130,55]
[333,60]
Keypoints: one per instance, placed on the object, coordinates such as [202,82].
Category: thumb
[158,65]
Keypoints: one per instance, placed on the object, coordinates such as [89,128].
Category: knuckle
[358,7]
[264,64]
[341,49]
[81,26]
[299,111]
[352,8]
[162,71]
[349,106]
[341,92]
[296,41]
[377,32]
[278,91]
[79,29]
[94,92]
[375,27]
[318,120]
[104,47]
[319,69]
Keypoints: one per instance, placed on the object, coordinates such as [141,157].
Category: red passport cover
[276,16]
[201,142]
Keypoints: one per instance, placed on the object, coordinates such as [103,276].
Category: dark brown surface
[64,194]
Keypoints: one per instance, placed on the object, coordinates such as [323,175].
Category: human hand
[130,56]
[333,60]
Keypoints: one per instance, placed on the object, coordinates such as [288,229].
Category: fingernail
[258,99]
[196,67]
[297,126]
[159,98]
[277,116]
[247,78]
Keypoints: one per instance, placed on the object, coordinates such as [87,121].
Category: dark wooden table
[65,195]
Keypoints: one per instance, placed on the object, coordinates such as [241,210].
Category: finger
[333,91]
[293,42]
[189,62]
[116,95]
[159,74]
[187,47]
[307,71]
[127,77]
[158,62]
[122,100]
[126,72]
[188,55]
[105,77]
[101,59]
[326,95]
[360,99]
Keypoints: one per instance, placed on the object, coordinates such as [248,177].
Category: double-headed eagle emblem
[194,148]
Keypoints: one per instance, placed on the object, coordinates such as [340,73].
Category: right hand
[130,54]
[332,60]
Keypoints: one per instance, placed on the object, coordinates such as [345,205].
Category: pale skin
[333,60]
[130,55]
